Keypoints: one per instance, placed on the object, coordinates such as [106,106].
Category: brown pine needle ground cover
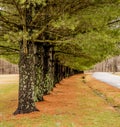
[75,102]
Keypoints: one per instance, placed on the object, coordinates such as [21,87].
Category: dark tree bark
[51,67]
[26,102]
[48,74]
[56,72]
[39,78]
[44,70]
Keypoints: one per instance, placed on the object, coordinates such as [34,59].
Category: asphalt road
[108,78]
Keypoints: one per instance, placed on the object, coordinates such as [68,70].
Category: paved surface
[9,79]
[108,78]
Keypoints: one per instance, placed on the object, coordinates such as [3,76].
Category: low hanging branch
[114,21]
[9,49]
[7,53]
[74,55]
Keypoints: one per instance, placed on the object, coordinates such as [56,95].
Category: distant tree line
[8,68]
[109,65]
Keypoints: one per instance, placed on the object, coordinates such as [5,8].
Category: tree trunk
[39,82]
[26,102]
[51,68]
[56,72]
[44,70]
[114,64]
[48,73]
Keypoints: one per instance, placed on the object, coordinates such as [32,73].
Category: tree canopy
[83,31]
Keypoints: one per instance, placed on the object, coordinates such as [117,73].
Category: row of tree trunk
[39,71]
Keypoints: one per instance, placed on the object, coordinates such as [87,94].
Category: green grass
[8,88]
[42,121]
[103,119]
[8,97]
